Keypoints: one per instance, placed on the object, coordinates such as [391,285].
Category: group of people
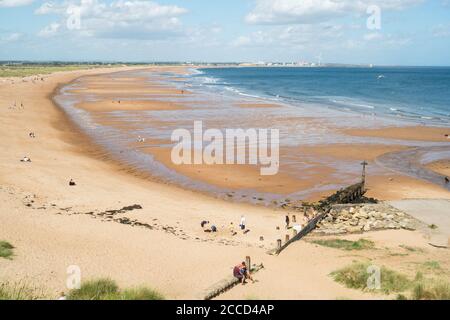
[204,224]
[213,228]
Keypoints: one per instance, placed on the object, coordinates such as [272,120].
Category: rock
[367,227]
[354,229]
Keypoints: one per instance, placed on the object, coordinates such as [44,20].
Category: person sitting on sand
[213,229]
[204,223]
[25,159]
[32,135]
[72,183]
[232,231]
[241,272]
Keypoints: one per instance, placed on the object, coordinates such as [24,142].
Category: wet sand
[442,167]
[307,172]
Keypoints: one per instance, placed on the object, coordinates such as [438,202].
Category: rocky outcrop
[351,218]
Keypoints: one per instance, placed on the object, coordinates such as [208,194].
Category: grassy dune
[356,276]
[107,289]
[30,70]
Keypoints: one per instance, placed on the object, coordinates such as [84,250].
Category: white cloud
[441,31]
[373,36]
[11,37]
[14,3]
[133,19]
[312,11]
[50,30]
[294,36]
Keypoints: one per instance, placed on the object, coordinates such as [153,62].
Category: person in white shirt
[242,223]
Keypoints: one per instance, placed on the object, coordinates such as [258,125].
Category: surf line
[232,147]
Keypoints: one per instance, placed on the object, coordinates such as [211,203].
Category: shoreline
[243,183]
[53,225]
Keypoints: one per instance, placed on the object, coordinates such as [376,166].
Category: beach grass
[433,265]
[361,244]
[356,276]
[107,289]
[431,289]
[18,291]
[26,70]
[6,250]
[412,249]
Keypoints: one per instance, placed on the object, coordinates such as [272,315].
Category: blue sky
[412,32]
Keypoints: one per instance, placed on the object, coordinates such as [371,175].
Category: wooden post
[295,232]
[364,164]
[279,242]
[248,261]
[294,219]
[287,238]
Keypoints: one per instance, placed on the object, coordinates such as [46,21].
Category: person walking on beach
[242,223]
[287,222]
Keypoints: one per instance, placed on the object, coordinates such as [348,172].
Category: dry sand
[52,227]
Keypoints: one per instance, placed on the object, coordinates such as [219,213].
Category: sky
[380,32]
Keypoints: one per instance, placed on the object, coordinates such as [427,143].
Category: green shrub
[141,294]
[18,291]
[107,289]
[431,290]
[356,275]
[361,244]
[94,290]
[6,250]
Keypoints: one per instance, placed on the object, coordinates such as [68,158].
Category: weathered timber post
[248,262]
[364,164]
[294,219]
[279,244]
[287,238]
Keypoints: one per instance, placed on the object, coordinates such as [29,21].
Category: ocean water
[416,94]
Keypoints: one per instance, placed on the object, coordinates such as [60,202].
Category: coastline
[52,226]
[144,108]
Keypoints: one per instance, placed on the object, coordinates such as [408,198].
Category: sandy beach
[53,225]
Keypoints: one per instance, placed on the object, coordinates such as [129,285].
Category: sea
[417,94]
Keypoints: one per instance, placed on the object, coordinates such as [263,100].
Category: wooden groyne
[226,284]
[347,195]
